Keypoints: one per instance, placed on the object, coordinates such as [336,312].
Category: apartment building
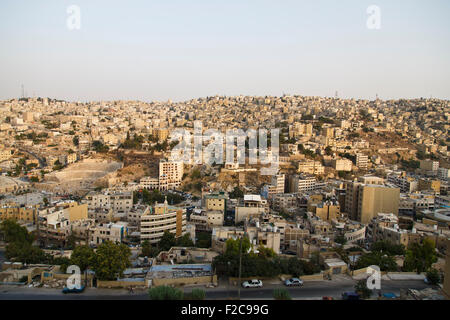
[406,184]
[172,171]
[429,165]
[250,206]
[206,220]
[117,201]
[54,222]
[285,201]
[443,174]
[301,183]
[103,232]
[342,164]
[311,167]
[362,161]
[215,201]
[5,154]
[364,201]
[18,213]
[160,218]
[326,210]
[429,184]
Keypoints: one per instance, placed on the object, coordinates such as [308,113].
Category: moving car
[253,284]
[327,298]
[293,282]
[73,290]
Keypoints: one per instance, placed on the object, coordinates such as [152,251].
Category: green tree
[83,257]
[111,260]
[362,290]
[237,193]
[384,261]
[15,233]
[165,293]
[167,241]
[388,247]
[340,239]
[184,241]
[420,256]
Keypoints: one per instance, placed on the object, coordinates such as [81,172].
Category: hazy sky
[156,50]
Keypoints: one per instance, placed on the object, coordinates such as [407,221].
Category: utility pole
[240,268]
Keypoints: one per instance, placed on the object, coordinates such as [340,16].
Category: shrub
[281,294]
[196,294]
[433,276]
[165,293]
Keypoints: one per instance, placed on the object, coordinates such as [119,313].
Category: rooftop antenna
[23,91]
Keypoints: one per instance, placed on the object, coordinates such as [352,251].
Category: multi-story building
[362,161]
[342,164]
[117,201]
[172,171]
[18,213]
[160,218]
[429,165]
[444,174]
[301,183]
[406,184]
[429,184]
[285,201]
[54,222]
[113,232]
[311,167]
[215,201]
[327,210]
[250,206]
[206,220]
[364,201]
[5,154]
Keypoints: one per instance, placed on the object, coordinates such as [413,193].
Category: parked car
[253,284]
[293,282]
[350,296]
[426,280]
[73,290]
[389,295]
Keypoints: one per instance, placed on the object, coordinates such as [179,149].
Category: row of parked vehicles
[292,282]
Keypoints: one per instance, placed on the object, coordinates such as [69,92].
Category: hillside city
[360,183]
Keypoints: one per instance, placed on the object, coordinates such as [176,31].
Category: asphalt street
[311,290]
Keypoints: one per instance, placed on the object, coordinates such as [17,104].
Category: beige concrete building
[173,171]
[311,167]
[363,202]
[429,165]
[215,201]
[342,164]
[160,218]
[117,201]
[429,184]
[362,161]
[250,206]
[18,213]
[5,154]
[326,211]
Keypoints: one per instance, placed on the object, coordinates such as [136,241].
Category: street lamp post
[240,268]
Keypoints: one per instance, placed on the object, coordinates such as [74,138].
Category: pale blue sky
[156,50]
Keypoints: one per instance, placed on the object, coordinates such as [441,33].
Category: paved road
[311,290]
